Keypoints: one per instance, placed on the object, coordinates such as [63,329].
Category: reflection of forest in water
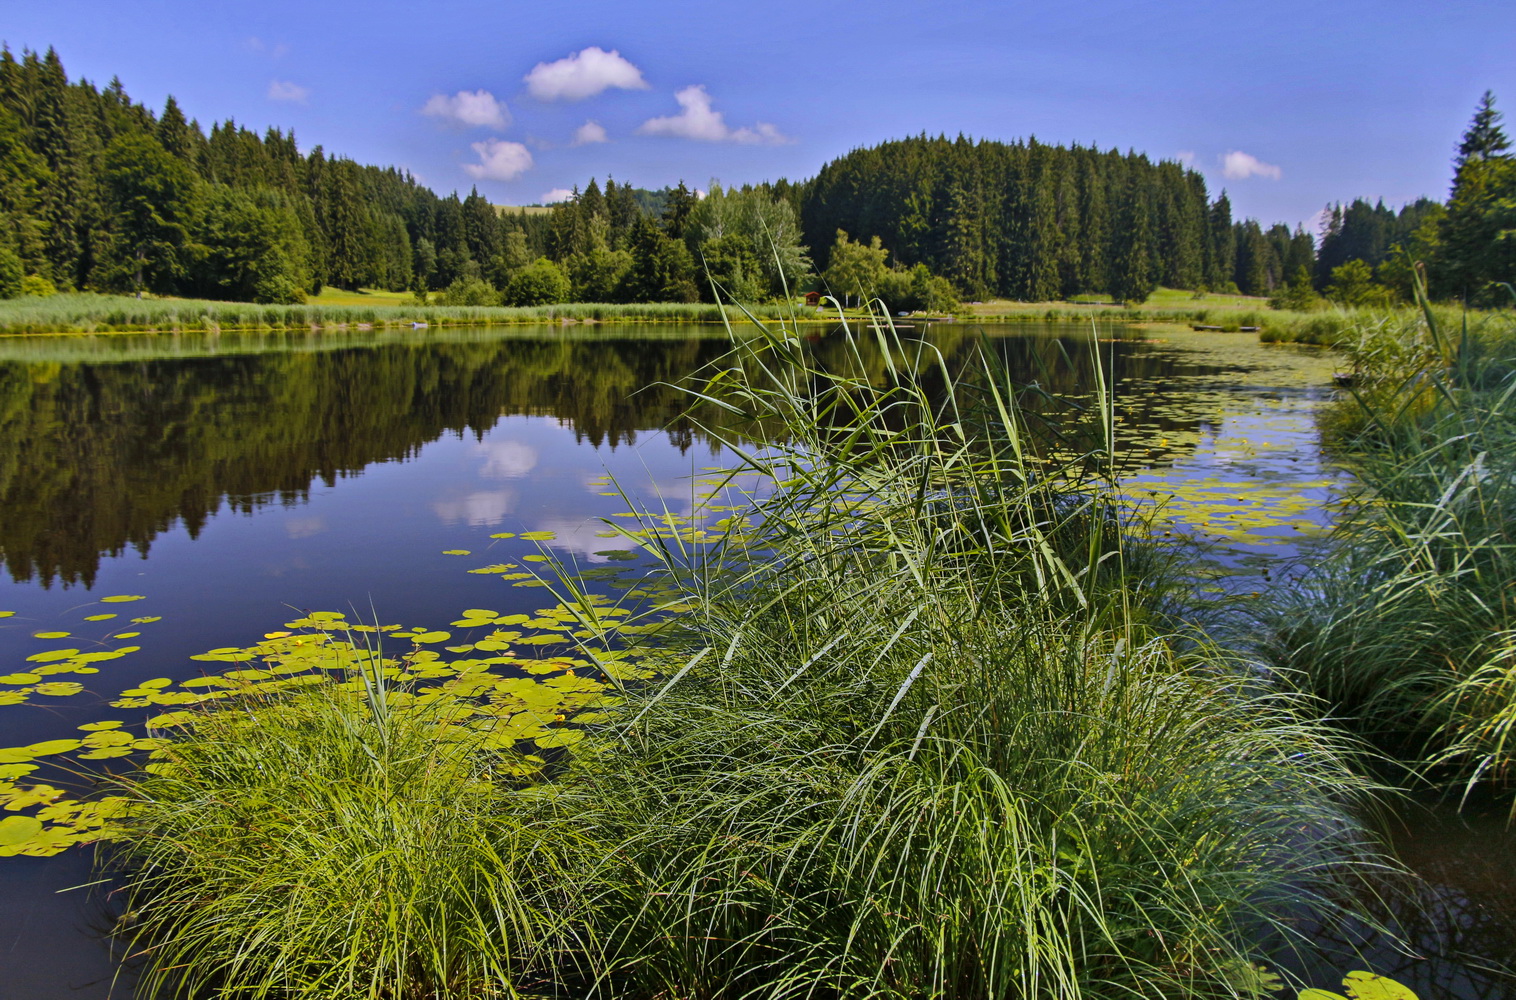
[102,457]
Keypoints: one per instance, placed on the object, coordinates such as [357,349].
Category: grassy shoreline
[76,313]
[920,727]
[89,313]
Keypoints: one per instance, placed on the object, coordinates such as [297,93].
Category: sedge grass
[933,737]
[320,846]
[927,746]
[1404,629]
[91,313]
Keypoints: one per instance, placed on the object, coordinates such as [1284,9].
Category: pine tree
[1133,276]
[1484,137]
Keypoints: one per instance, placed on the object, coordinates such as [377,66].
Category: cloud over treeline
[698,120]
[583,74]
[469,108]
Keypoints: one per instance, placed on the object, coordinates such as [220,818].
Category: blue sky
[1287,105]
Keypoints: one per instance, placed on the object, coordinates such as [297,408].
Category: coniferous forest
[99,192]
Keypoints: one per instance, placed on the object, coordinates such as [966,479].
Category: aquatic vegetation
[1363,986]
[81,312]
[931,740]
[1403,631]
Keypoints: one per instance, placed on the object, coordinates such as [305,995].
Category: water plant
[921,726]
[932,740]
[1404,630]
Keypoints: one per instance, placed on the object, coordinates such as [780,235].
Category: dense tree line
[1467,247]
[97,191]
[1031,221]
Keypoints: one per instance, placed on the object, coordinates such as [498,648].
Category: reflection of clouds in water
[507,459]
[581,537]
[304,527]
[483,509]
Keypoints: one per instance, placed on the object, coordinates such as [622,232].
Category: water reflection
[104,457]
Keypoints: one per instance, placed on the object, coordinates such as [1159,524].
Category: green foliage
[540,283]
[1404,630]
[12,271]
[1297,295]
[251,247]
[37,286]
[855,269]
[1022,220]
[468,292]
[151,196]
[750,232]
[1353,285]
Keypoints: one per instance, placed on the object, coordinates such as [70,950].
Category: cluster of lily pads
[483,675]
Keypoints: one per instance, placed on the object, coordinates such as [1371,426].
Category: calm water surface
[234,480]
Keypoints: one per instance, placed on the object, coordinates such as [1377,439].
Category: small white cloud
[590,133]
[557,195]
[701,122]
[482,509]
[470,108]
[1186,156]
[304,527]
[1237,166]
[583,74]
[499,160]
[507,459]
[284,90]
[257,45]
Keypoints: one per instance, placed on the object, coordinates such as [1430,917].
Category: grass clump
[928,732]
[1405,630]
[929,744]
[313,846]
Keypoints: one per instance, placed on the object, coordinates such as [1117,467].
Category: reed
[90,313]
[928,731]
[1403,631]
[324,846]
[933,740]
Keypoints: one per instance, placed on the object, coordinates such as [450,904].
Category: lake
[223,485]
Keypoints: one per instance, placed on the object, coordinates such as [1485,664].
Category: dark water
[232,481]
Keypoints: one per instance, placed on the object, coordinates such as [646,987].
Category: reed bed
[1405,631]
[927,731]
[90,313]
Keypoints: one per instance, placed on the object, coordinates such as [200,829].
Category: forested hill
[98,191]
[1031,221]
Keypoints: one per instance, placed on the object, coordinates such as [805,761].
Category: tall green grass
[934,739]
[927,732]
[1405,630]
[321,846]
[90,313]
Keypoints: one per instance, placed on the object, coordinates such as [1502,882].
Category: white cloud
[257,45]
[284,90]
[1237,165]
[557,195]
[507,459]
[304,527]
[699,121]
[1186,156]
[483,509]
[589,133]
[469,108]
[583,74]
[499,161]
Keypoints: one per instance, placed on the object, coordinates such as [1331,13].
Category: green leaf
[1368,986]
[122,598]
[16,830]
[50,635]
